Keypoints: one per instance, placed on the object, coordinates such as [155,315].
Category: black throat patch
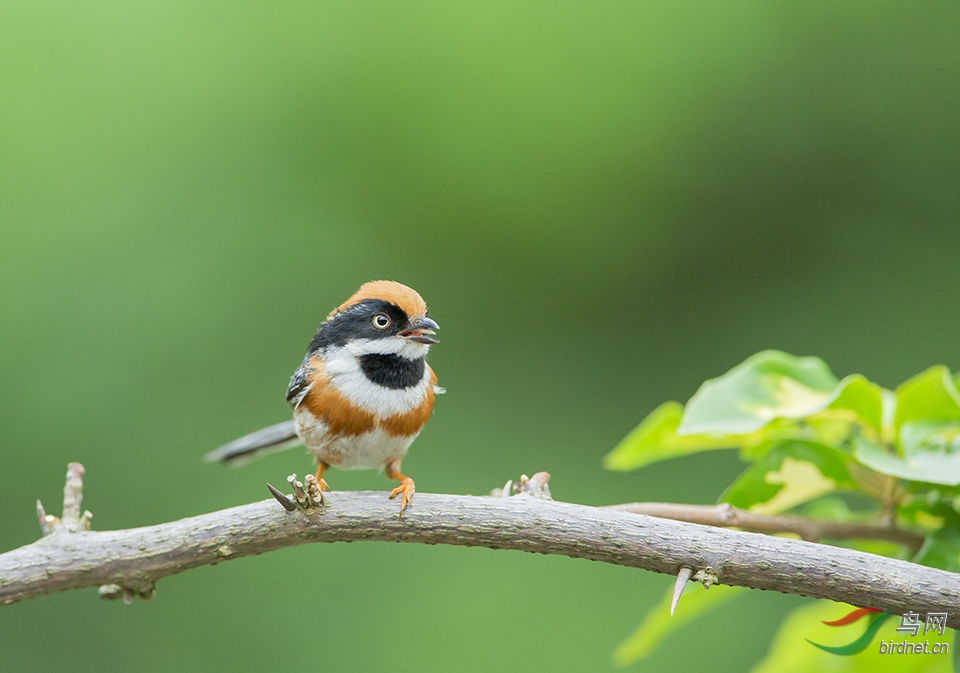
[392,371]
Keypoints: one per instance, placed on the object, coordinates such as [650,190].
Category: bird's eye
[381,321]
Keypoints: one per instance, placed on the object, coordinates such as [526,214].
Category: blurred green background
[602,203]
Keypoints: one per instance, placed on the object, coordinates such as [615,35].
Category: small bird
[363,392]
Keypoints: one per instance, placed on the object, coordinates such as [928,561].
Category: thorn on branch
[682,578]
[287,503]
[47,521]
[306,497]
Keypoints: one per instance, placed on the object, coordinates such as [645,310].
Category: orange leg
[321,482]
[405,489]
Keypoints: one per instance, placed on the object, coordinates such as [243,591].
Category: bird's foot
[307,497]
[321,482]
[406,490]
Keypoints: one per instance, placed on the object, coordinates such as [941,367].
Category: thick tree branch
[128,562]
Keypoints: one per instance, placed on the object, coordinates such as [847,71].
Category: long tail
[250,447]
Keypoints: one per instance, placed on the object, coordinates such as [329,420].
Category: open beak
[420,329]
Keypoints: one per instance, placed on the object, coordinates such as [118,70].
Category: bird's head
[382,317]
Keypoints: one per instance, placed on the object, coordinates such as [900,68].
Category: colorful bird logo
[877,618]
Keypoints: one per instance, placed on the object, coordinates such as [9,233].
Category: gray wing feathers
[299,384]
[273,438]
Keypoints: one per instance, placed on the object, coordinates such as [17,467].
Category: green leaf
[830,507]
[656,439]
[768,385]
[659,623]
[774,395]
[791,653]
[889,413]
[926,435]
[931,453]
[862,397]
[956,652]
[941,550]
[791,473]
[942,546]
[931,395]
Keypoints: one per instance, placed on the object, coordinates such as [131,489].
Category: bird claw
[307,497]
[406,489]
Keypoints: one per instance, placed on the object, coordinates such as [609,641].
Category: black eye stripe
[356,322]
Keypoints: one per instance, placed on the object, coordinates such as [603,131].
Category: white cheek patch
[350,381]
[395,345]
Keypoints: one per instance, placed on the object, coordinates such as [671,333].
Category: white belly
[362,452]
[374,449]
